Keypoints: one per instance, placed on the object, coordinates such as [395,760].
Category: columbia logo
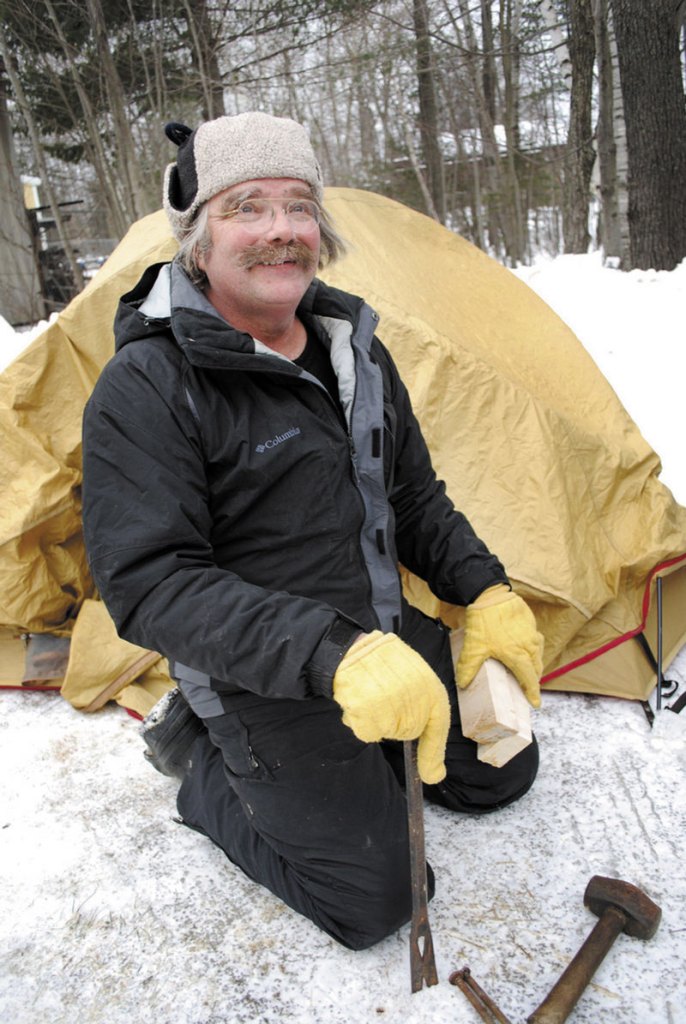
[279,439]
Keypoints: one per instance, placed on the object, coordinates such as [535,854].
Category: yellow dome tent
[532,441]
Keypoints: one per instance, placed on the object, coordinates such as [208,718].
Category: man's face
[261,269]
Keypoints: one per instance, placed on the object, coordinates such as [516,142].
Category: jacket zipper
[353,458]
[355,475]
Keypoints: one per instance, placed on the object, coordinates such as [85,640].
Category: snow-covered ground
[114,914]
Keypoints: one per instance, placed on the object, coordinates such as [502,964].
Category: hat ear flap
[174,191]
[177,133]
[183,175]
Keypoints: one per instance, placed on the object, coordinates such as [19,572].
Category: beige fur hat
[229,150]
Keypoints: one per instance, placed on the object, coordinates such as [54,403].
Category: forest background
[528,126]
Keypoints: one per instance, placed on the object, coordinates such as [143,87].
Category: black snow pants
[318,817]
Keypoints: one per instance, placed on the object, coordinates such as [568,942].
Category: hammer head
[641,914]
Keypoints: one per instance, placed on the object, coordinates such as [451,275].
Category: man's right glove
[388,691]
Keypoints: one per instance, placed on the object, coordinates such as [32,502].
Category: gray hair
[196,242]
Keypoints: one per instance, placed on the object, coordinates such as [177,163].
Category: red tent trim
[563,669]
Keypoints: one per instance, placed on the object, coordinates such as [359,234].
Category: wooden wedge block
[494,711]
[499,752]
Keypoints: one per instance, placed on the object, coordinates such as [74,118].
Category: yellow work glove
[387,691]
[500,625]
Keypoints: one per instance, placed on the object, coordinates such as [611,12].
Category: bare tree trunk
[127,157]
[421,179]
[554,26]
[575,54]
[653,94]
[489,75]
[614,227]
[510,14]
[619,131]
[473,206]
[294,98]
[27,114]
[205,58]
[120,217]
[21,301]
[580,155]
[368,138]
[428,111]
[154,71]
[491,183]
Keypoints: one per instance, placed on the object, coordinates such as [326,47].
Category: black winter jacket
[235,520]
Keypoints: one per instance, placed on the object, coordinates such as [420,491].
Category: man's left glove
[388,691]
[500,625]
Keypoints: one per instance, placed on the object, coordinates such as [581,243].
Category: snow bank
[633,325]
[13,343]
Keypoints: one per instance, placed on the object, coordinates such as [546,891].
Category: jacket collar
[166,298]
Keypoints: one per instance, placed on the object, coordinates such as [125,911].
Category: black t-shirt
[315,359]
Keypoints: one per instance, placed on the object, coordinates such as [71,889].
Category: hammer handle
[564,995]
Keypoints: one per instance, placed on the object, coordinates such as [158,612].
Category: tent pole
[658,696]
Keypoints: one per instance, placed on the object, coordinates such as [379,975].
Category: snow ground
[115,914]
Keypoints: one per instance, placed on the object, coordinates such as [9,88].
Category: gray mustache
[293,252]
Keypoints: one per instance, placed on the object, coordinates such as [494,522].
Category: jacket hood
[130,322]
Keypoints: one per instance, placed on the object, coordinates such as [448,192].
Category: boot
[170,731]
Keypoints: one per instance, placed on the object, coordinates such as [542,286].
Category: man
[253,475]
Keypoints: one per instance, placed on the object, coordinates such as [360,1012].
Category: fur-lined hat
[229,150]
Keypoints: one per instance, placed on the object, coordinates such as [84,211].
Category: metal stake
[422,963]
[481,1002]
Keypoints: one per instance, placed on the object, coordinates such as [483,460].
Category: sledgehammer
[621,907]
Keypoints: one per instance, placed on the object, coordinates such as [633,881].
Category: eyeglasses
[258,213]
